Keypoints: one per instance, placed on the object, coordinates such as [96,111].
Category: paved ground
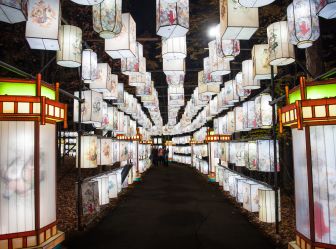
[173,208]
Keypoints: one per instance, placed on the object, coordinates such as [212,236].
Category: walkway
[173,208]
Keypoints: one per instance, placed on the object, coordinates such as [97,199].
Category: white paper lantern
[208,78]
[174,80]
[139,80]
[43,24]
[265,156]
[13,11]
[249,115]
[240,189]
[120,91]
[249,82]
[237,22]
[103,81]
[255,3]
[112,185]
[231,125]
[136,65]
[174,48]
[123,45]
[89,66]
[218,65]
[87,2]
[267,205]
[303,23]
[238,112]
[327,9]
[88,152]
[103,189]
[111,90]
[242,93]
[174,67]
[263,110]
[231,91]
[91,107]
[107,18]
[261,66]
[251,196]
[106,151]
[281,52]
[228,49]
[206,89]
[172,18]
[70,40]
[251,155]
[237,153]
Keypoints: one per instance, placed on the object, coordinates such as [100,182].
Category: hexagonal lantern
[13,11]
[29,111]
[172,18]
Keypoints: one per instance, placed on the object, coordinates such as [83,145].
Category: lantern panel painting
[266,155]
[228,48]
[172,18]
[123,45]
[251,156]
[301,182]
[250,196]
[261,66]
[13,11]
[263,111]
[106,151]
[103,189]
[112,185]
[17,209]
[237,22]
[47,174]
[115,151]
[323,158]
[91,108]
[303,23]
[89,66]
[70,52]
[88,152]
[43,24]
[124,151]
[90,197]
[107,18]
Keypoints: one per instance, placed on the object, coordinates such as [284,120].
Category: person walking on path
[166,155]
[155,156]
[161,156]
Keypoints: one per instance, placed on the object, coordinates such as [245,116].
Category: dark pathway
[173,208]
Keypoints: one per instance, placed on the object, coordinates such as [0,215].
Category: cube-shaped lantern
[231,125]
[261,66]
[231,92]
[120,94]
[327,9]
[88,155]
[251,155]
[249,81]
[13,11]
[112,185]
[242,92]
[145,90]
[250,121]
[237,153]
[218,65]
[263,110]
[111,90]
[281,52]
[267,199]
[106,151]
[303,23]
[174,48]
[172,18]
[107,18]
[265,156]
[240,189]
[70,51]
[89,66]
[224,153]
[91,108]
[236,21]
[134,65]
[239,118]
[123,45]
[229,49]
[209,78]
[103,189]
[115,151]
[43,24]
[174,67]
[139,80]
[251,196]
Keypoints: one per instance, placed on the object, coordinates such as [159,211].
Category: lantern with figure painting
[237,22]
[13,11]
[89,66]
[172,18]
[303,23]
[218,65]
[228,49]
[261,66]
[251,196]
[281,52]
[123,45]
[263,110]
[70,52]
[29,112]
[136,65]
[107,18]
[42,30]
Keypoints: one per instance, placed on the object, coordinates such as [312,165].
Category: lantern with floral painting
[107,18]
[103,81]
[326,9]
[248,81]
[123,45]
[13,11]
[29,113]
[263,110]
[70,41]
[91,108]
[89,153]
[43,22]
[172,18]
[303,23]
[237,22]
[267,202]
[89,66]
[218,65]
[281,51]
[174,48]
[261,66]
[134,65]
